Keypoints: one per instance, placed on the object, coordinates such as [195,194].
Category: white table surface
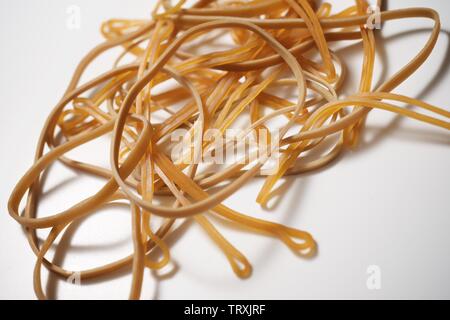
[387,204]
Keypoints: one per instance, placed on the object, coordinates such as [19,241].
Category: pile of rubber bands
[268,45]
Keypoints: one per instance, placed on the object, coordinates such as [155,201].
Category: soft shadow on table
[64,246]
[58,187]
[394,124]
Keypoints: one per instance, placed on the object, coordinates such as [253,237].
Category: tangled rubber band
[276,44]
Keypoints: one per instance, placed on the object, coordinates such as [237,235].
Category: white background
[385,204]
